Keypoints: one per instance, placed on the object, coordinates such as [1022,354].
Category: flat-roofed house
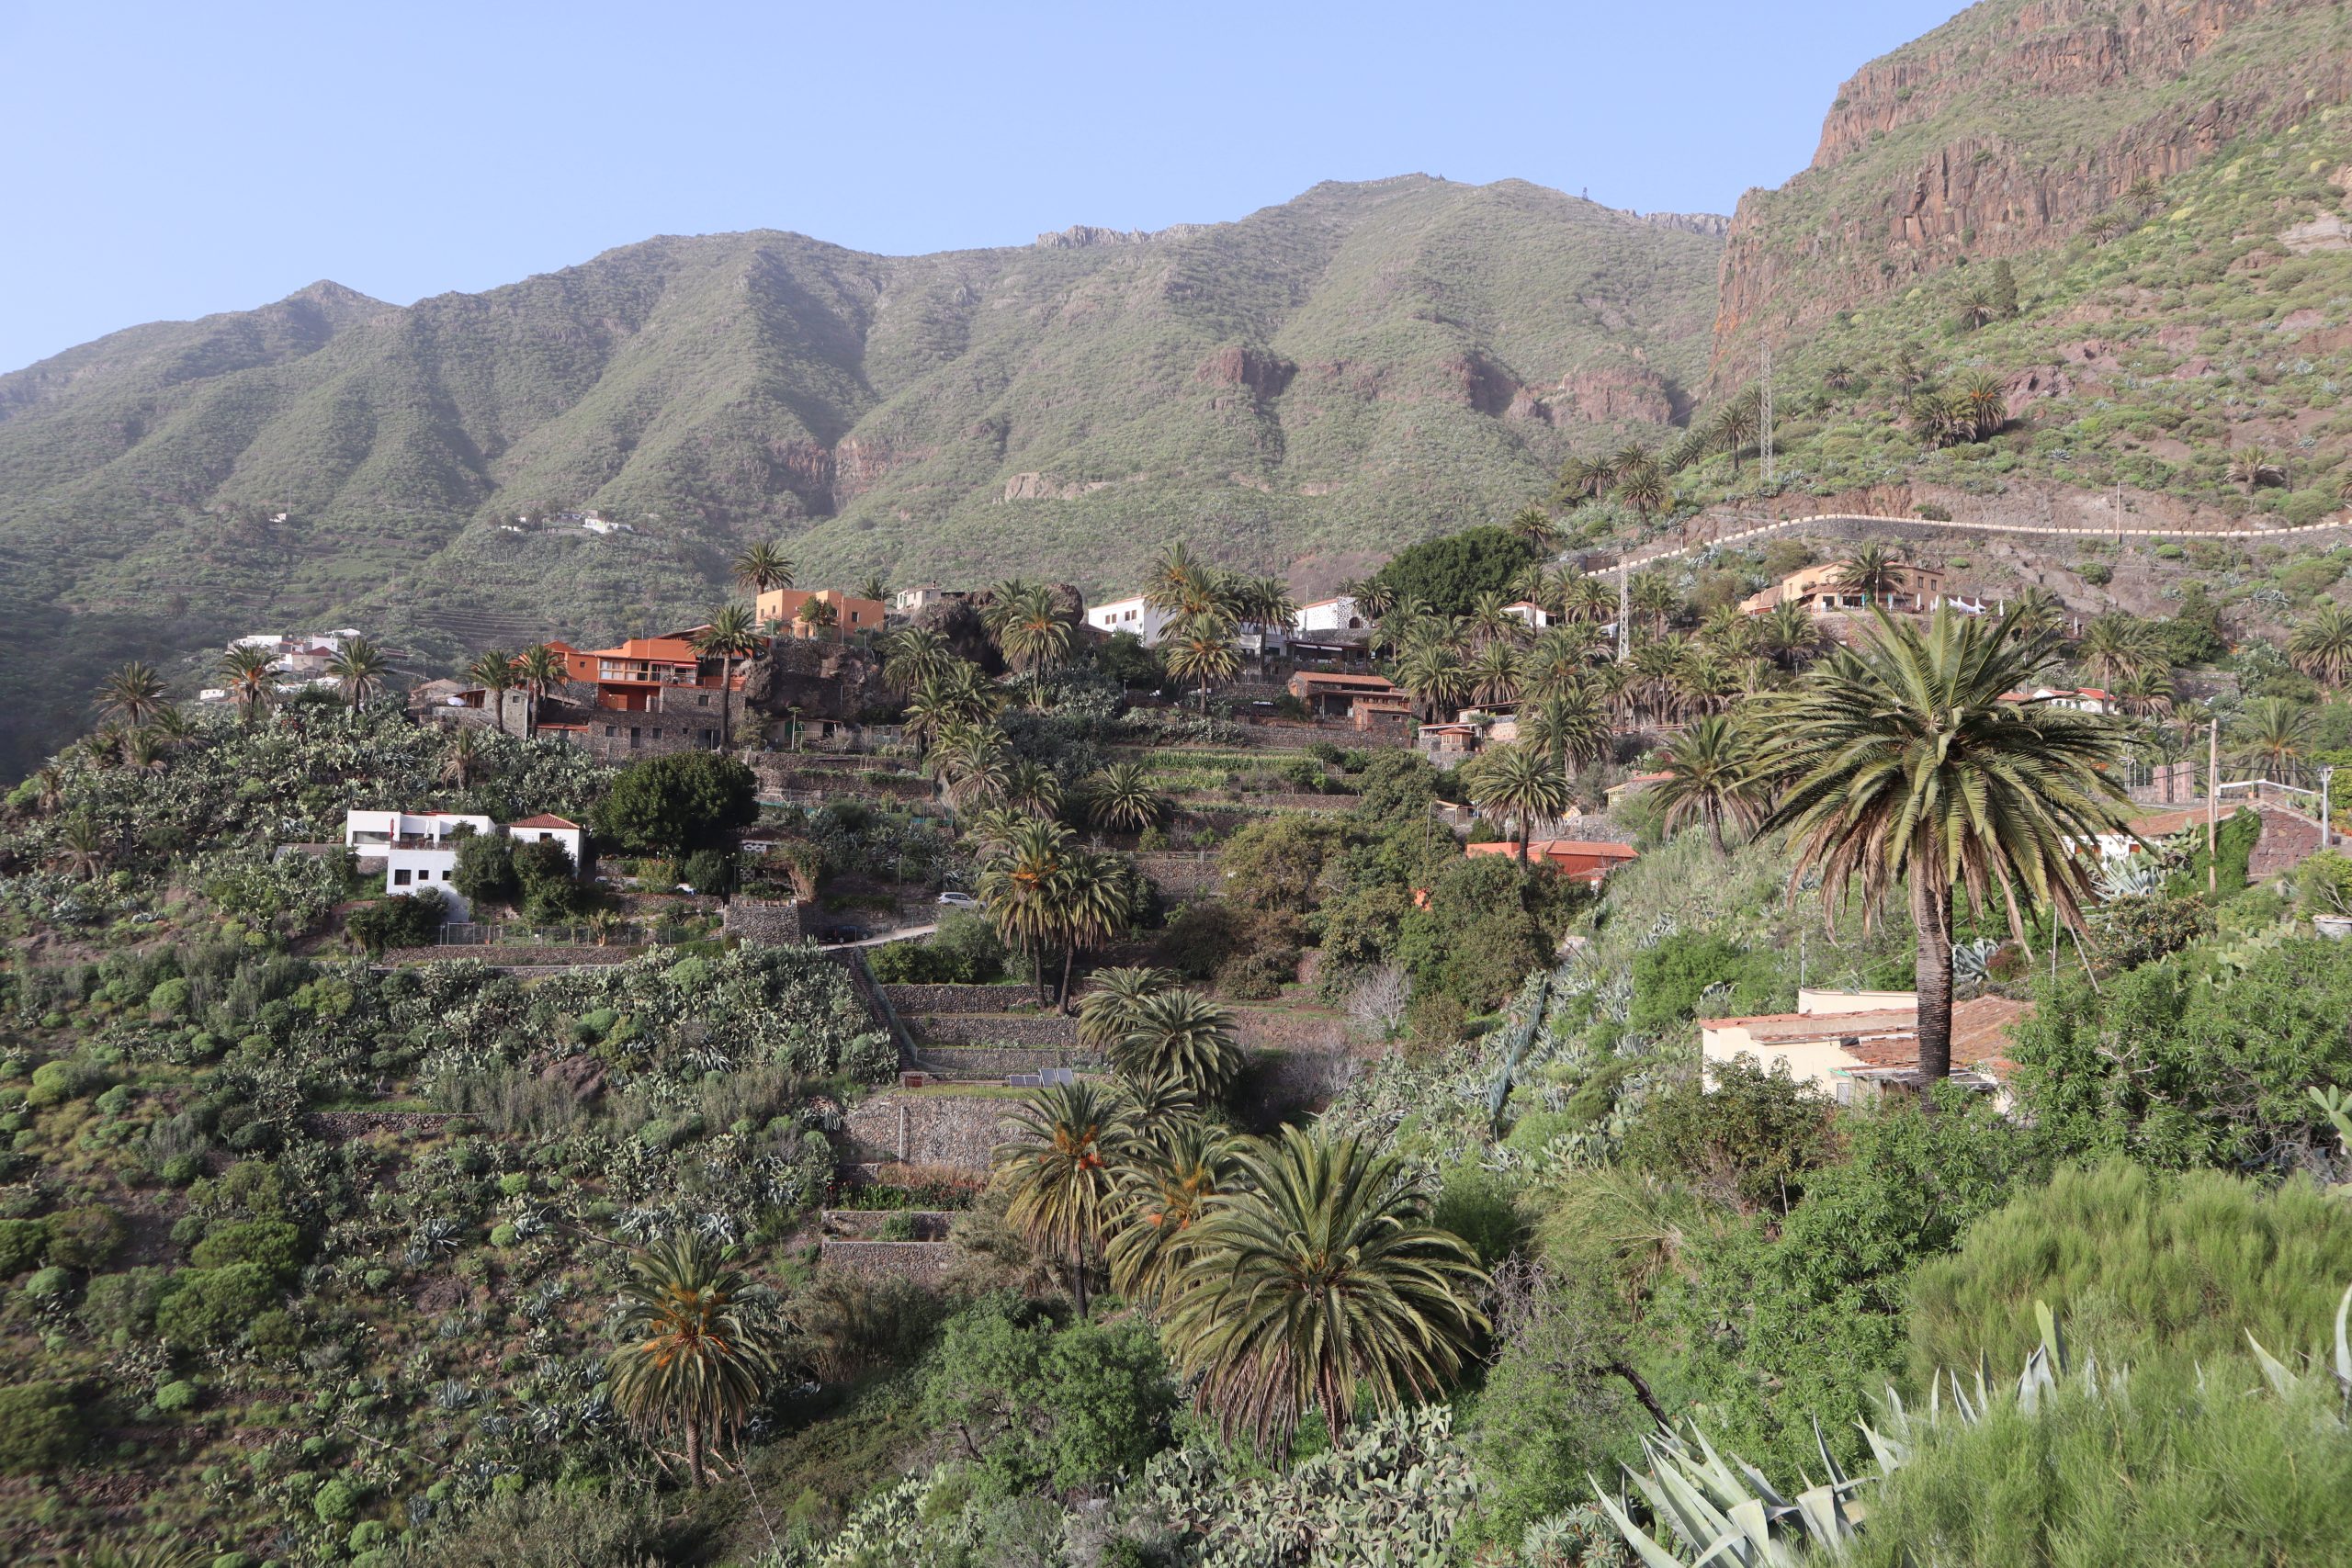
[1334,693]
[1588,861]
[1842,1042]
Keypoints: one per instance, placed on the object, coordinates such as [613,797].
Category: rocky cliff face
[2010,128]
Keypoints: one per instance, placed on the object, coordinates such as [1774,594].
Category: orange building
[781,607]
[1588,861]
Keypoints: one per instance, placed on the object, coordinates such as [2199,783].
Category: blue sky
[167,161]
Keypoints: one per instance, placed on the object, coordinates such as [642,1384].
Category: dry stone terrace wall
[995,1029]
[774,922]
[923,1001]
[1181,873]
[500,956]
[924,1263]
[957,1130]
[998,1061]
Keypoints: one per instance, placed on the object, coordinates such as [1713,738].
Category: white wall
[1129,615]
[423,868]
[1331,617]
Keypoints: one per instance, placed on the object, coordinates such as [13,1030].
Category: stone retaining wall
[859,1225]
[925,1263]
[501,955]
[340,1124]
[957,1131]
[994,1029]
[776,922]
[996,1062]
[927,1000]
[1269,801]
[1179,871]
[1272,1030]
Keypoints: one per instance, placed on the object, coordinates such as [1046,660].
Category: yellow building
[851,614]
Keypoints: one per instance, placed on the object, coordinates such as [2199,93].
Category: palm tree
[1032,787]
[1644,490]
[461,757]
[1515,784]
[1838,378]
[539,671]
[1202,653]
[1790,634]
[1978,405]
[2252,471]
[2322,647]
[1579,482]
[1977,310]
[134,693]
[1094,902]
[81,847]
[1109,1008]
[1030,633]
[2038,611]
[1165,1188]
[251,680]
[1494,673]
[495,674]
[360,668]
[957,694]
[1872,567]
[690,1358]
[2274,734]
[1315,1275]
[1653,594]
[763,568]
[49,789]
[912,655]
[732,634]
[1433,673]
[1020,890]
[1569,728]
[1709,777]
[2118,646]
[871,586]
[1736,427]
[1058,1171]
[972,762]
[1535,526]
[1121,798]
[2146,693]
[1903,765]
[1179,1034]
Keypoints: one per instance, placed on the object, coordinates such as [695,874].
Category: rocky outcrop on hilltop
[2013,127]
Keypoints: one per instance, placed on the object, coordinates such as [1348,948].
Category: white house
[1529,612]
[1131,614]
[420,848]
[1334,614]
[1840,1041]
[547,826]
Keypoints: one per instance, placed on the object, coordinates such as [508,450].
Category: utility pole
[2326,807]
[1625,608]
[1764,419]
[2213,807]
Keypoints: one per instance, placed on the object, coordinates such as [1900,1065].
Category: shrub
[211,1306]
[50,1284]
[1751,1138]
[41,1427]
[337,1502]
[409,920]
[1672,978]
[169,999]
[54,1083]
[2098,573]
[23,1242]
[272,1245]
[175,1396]
[85,1238]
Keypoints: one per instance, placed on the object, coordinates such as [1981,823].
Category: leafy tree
[211,1306]
[550,882]
[675,804]
[1058,1172]
[1318,1277]
[1449,573]
[1749,1136]
[1903,766]
[690,1358]
[484,872]
[1033,1406]
[1280,861]
[1672,976]
[410,920]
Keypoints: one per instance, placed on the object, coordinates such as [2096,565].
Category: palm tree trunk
[693,1452]
[1715,826]
[726,680]
[1526,831]
[1078,1274]
[1068,953]
[1931,971]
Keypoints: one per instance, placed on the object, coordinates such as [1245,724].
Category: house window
[703,702]
[633,737]
[399,877]
[608,729]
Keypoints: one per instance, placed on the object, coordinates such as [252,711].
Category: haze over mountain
[1303,387]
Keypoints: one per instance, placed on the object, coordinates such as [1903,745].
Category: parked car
[840,933]
[951,899]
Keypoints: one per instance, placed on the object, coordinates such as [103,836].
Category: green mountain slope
[1364,365]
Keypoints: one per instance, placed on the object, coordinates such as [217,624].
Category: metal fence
[626,933]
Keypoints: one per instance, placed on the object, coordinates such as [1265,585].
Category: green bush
[274,1246]
[50,1284]
[23,1242]
[1672,978]
[86,1237]
[677,804]
[41,1427]
[1750,1138]
[54,1083]
[211,1306]
[409,920]
[337,1502]
[169,999]
[2136,1262]
[175,1396]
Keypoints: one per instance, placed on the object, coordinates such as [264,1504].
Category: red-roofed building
[1837,1040]
[1588,861]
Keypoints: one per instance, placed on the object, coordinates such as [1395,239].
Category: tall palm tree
[461,757]
[2252,471]
[1316,1274]
[1020,890]
[1978,404]
[495,674]
[1710,777]
[2118,646]
[957,694]
[1179,1034]
[690,1358]
[2039,610]
[912,655]
[133,693]
[1871,567]
[359,669]
[1580,481]
[1433,673]
[973,763]
[1093,903]
[2275,735]
[1736,427]
[2146,693]
[1108,1010]
[1490,620]
[1165,1187]
[1515,784]
[733,633]
[1535,526]
[81,846]
[1653,594]
[1645,490]
[1903,766]
[1790,634]
[1589,599]
[1058,1171]
[2322,647]
[1202,653]
[871,586]
[1032,787]
[1494,673]
[763,568]
[1374,597]
[1121,798]
[1031,632]
[1559,660]
[1570,728]
[251,680]
[541,670]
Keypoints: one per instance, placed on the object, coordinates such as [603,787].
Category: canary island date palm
[1870,568]
[1060,1174]
[133,693]
[1901,766]
[732,634]
[1533,525]
[1032,788]
[1316,1276]
[1121,798]
[1020,890]
[359,669]
[494,672]
[542,670]
[1179,1034]
[1031,634]
[912,655]
[1165,1186]
[764,567]
[1710,778]
[1495,673]
[2117,646]
[1108,1008]
[2322,647]
[1515,784]
[251,680]
[691,1359]
[1096,901]
[1433,675]
[1201,653]
[1159,1106]
[1790,634]
[2275,735]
